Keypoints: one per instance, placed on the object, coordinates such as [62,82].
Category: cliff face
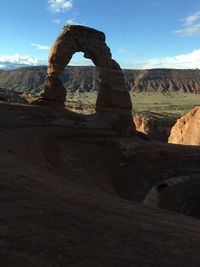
[187,129]
[33,78]
[84,79]
[156,126]
[167,80]
[24,79]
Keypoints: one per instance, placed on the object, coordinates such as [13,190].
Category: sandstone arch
[113,95]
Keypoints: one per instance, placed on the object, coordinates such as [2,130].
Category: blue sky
[140,33]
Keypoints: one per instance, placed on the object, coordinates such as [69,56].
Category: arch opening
[80,79]
[79,60]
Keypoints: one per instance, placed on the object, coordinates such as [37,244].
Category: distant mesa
[86,79]
[186,131]
[113,95]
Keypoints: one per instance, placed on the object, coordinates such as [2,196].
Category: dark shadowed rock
[52,82]
[74,196]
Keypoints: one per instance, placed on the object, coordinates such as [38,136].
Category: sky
[141,34]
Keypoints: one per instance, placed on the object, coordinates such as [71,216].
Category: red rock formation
[156,126]
[113,93]
[187,129]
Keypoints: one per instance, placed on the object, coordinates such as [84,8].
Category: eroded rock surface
[84,79]
[72,195]
[156,126]
[187,129]
[113,93]
[92,42]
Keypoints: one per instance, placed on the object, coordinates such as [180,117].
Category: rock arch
[113,95]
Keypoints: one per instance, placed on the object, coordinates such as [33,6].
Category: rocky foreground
[75,193]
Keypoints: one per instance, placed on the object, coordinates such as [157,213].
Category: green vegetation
[174,103]
[12,96]
[82,99]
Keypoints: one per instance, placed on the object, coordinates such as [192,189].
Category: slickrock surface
[76,195]
[187,129]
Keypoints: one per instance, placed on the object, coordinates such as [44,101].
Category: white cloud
[72,21]
[57,6]
[189,31]
[19,59]
[11,61]
[123,51]
[184,61]
[40,47]
[190,26]
[56,21]
[189,20]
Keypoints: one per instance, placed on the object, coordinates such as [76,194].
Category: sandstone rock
[52,82]
[63,123]
[187,129]
[156,126]
[73,196]
[113,93]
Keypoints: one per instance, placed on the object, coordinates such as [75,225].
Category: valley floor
[163,103]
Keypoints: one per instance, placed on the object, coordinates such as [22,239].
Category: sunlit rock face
[186,131]
[156,126]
